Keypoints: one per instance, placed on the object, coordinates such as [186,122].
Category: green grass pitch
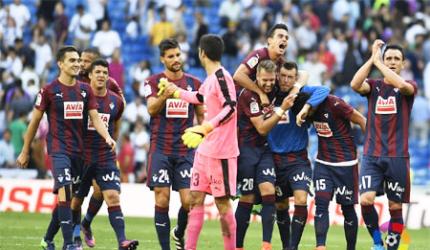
[24,231]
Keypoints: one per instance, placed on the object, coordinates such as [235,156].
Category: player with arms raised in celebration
[385,165]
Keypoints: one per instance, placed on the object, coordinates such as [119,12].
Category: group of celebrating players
[251,138]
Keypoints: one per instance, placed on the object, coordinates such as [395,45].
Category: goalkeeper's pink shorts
[214,176]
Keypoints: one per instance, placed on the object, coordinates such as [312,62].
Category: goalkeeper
[215,162]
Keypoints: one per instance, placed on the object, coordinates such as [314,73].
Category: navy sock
[182,222]
[93,208]
[268,216]
[395,229]
[162,225]
[283,221]
[322,220]
[242,215]
[65,218]
[54,226]
[370,217]
[116,219]
[76,215]
[298,224]
[350,226]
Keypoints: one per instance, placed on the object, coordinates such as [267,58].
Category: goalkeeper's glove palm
[194,136]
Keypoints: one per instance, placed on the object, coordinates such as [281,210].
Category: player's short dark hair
[167,44]
[267,65]
[213,46]
[300,101]
[92,50]
[99,62]
[63,50]
[290,65]
[271,31]
[394,47]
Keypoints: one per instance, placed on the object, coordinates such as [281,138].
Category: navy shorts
[293,172]
[66,170]
[107,176]
[255,166]
[166,171]
[339,181]
[388,175]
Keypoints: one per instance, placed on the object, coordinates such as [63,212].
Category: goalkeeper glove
[194,136]
[161,86]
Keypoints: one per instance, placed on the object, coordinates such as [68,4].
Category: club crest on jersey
[386,106]
[323,129]
[254,108]
[111,105]
[147,89]
[252,62]
[83,93]
[39,99]
[103,117]
[176,108]
[73,110]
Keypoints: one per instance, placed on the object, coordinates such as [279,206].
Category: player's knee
[196,199]
[282,205]
[111,197]
[65,193]
[300,199]
[322,203]
[97,194]
[266,188]
[248,198]
[162,197]
[392,205]
[367,199]
[223,204]
[76,203]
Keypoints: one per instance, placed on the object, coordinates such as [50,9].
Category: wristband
[280,112]
[297,85]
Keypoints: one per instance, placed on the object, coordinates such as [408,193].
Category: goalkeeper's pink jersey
[219,94]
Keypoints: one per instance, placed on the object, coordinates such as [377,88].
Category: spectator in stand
[161,30]
[229,11]
[17,129]
[126,158]
[82,26]
[7,153]
[316,69]
[10,32]
[136,110]
[61,24]
[26,53]
[231,48]
[45,8]
[141,71]
[200,28]
[106,40]
[98,9]
[20,13]
[140,141]
[116,68]
[43,58]
[13,62]
[18,102]
[420,122]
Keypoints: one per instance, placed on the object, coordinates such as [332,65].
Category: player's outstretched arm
[241,77]
[24,156]
[101,128]
[359,119]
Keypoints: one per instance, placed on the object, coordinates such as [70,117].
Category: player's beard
[174,68]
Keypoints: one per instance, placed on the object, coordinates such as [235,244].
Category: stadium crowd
[329,39]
